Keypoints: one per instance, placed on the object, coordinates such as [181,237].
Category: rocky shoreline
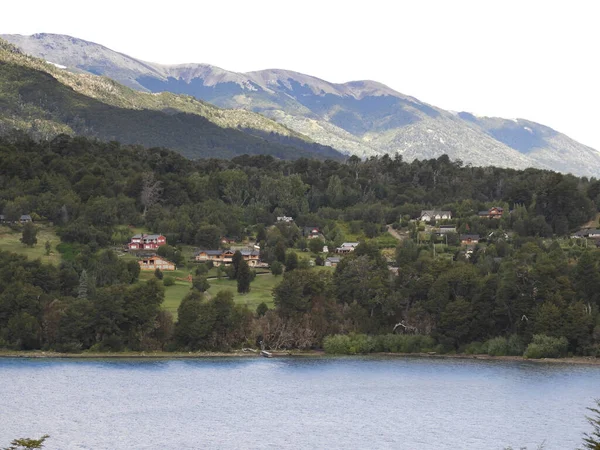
[297,353]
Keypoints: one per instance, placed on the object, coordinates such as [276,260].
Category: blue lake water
[296,403]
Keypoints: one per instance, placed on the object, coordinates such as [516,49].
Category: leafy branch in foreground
[592,440]
[24,443]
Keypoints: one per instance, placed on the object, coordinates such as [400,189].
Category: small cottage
[332,261]
[156,262]
[469,239]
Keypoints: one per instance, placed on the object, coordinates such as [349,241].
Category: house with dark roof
[591,233]
[346,247]
[146,241]
[25,218]
[332,261]
[225,257]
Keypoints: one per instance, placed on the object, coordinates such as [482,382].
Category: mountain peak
[362,117]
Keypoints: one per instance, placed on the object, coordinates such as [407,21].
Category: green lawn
[261,290]
[9,241]
[173,296]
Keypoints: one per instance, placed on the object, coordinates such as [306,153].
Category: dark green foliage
[236,261]
[158,274]
[168,281]
[514,284]
[214,324]
[315,245]
[291,261]
[546,347]
[390,343]
[200,283]
[262,309]
[244,277]
[592,440]
[29,236]
[276,268]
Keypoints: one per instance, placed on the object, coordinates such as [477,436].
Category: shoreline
[576,360]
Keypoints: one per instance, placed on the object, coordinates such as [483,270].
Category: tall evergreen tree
[29,236]
[243,277]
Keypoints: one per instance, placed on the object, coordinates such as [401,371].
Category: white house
[346,247]
[427,215]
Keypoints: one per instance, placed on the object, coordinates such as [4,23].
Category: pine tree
[29,237]
[243,277]
[235,263]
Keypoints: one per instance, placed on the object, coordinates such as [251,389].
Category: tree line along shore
[519,280]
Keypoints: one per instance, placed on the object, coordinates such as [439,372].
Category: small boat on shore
[266,354]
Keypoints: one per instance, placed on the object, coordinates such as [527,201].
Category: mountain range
[45,100]
[363,118]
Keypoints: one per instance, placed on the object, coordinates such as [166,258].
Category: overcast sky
[528,59]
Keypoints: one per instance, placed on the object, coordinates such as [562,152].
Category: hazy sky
[537,60]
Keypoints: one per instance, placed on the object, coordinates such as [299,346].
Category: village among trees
[366,256]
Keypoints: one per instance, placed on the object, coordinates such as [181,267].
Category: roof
[333,259]
[25,217]
[250,252]
[431,212]
[350,244]
[448,227]
[586,232]
[209,252]
[483,213]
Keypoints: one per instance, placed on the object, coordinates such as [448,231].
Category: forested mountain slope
[363,118]
[45,101]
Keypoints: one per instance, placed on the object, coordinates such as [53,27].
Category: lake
[296,403]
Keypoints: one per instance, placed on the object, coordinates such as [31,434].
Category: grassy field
[261,290]
[9,241]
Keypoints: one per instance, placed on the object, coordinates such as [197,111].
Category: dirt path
[395,233]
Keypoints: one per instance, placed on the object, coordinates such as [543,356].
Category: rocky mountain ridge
[364,118]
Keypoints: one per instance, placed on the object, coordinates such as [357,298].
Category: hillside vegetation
[45,101]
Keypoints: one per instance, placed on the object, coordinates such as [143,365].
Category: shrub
[262,309]
[543,346]
[497,346]
[501,346]
[352,344]
[168,281]
[475,348]
[405,343]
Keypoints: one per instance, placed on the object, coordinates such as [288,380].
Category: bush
[168,281]
[352,344]
[497,346]
[276,268]
[348,344]
[262,309]
[501,346]
[405,343]
[475,348]
[543,346]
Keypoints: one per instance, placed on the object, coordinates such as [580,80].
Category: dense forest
[526,285]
